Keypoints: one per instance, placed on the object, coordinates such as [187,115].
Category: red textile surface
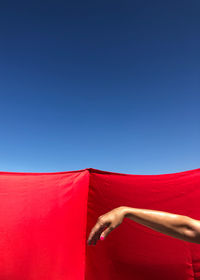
[42,225]
[45,219]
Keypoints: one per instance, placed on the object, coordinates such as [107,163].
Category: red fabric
[45,219]
[42,225]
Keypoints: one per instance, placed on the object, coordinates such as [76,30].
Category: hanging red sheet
[42,225]
[45,219]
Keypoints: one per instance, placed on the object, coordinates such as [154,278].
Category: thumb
[106,232]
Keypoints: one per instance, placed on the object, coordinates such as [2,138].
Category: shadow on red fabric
[45,219]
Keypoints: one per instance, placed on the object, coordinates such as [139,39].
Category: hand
[111,220]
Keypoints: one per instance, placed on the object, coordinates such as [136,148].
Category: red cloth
[45,219]
[42,225]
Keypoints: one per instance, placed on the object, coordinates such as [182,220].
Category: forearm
[178,226]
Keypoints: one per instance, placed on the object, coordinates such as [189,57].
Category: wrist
[125,211]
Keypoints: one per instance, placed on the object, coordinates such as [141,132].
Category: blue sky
[112,85]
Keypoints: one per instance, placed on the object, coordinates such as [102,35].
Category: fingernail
[102,238]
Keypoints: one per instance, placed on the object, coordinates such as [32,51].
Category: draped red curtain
[45,219]
[42,225]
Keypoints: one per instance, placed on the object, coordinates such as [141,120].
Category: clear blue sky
[112,85]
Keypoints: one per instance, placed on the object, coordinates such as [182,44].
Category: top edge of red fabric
[41,173]
[98,171]
[192,171]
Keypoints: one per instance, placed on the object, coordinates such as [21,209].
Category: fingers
[106,232]
[95,233]
[97,236]
[97,230]
[99,233]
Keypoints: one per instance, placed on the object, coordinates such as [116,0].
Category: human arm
[177,226]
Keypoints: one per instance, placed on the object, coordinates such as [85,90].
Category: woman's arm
[178,226]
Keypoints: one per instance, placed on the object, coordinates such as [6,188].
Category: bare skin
[177,226]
